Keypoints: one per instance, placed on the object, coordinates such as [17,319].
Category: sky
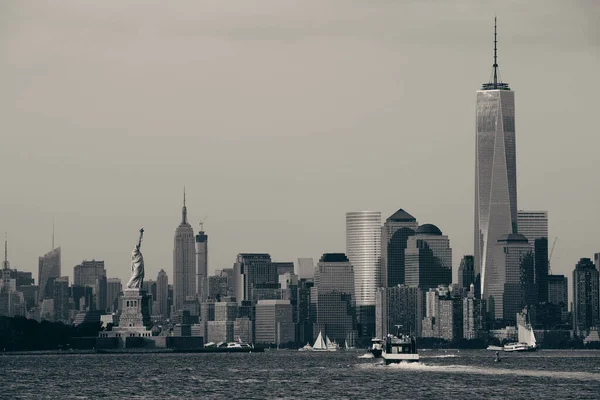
[279,117]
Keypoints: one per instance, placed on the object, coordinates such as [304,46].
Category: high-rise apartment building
[586,297]
[474,316]
[184,261]
[162,294]
[394,235]
[202,263]
[363,248]
[495,173]
[48,270]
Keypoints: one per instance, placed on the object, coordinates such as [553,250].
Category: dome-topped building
[428,229]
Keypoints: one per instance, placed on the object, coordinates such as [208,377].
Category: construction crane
[202,224]
[550,256]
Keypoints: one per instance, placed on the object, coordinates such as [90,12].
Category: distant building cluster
[394,277]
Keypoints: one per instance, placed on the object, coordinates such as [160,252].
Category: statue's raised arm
[137,265]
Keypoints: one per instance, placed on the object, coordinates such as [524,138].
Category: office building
[49,268]
[363,249]
[86,273]
[444,314]
[558,294]
[397,311]
[273,322]
[333,296]
[250,271]
[428,258]
[113,289]
[509,286]
[284,267]
[466,272]
[61,296]
[306,268]
[162,294]
[202,263]
[586,304]
[394,235]
[184,261]
[474,316]
[533,224]
[495,174]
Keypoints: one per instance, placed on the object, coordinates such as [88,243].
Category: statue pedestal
[134,319]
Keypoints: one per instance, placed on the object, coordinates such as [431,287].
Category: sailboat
[331,346]
[320,344]
[526,342]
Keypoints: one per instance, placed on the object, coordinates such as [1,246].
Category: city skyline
[96,210]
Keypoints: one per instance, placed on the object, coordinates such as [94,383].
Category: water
[290,374]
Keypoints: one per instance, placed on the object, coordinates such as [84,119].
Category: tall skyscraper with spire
[495,171]
[184,261]
[49,269]
[202,263]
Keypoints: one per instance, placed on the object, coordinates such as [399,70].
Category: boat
[331,346]
[397,349]
[526,341]
[495,348]
[307,347]
[376,347]
[346,347]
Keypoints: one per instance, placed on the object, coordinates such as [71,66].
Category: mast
[495,56]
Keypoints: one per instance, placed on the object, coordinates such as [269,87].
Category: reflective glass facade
[495,178]
[363,248]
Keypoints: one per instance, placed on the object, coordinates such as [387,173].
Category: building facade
[162,294]
[586,306]
[363,249]
[397,307]
[253,271]
[394,235]
[495,173]
[49,268]
[274,323]
[202,263]
[184,262]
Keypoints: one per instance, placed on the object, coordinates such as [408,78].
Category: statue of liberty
[137,266]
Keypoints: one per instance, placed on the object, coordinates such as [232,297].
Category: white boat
[376,347]
[319,344]
[397,349]
[495,348]
[526,341]
[331,346]
[307,347]
[346,347]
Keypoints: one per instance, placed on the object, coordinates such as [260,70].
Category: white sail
[523,334]
[327,341]
[320,343]
[346,345]
[532,342]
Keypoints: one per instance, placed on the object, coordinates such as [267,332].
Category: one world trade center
[495,178]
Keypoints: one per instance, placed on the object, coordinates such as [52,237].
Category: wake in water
[366,355]
[466,369]
[442,356]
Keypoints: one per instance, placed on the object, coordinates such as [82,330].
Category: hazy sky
[280,116]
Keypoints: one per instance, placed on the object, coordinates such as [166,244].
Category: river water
[441,374]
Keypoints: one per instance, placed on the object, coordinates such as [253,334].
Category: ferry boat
[526,341]
[400,348]
[376,347]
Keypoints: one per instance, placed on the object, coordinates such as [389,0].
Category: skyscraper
[397,306]
[428,258]
[334,290]
[113,288]
[363,248]
[202,263]
[162,294]
[61,298]
[306,268]
[48,270]
[394,234]
[509,284]
[495,172]
[534,226]
[251,270]
[92,274]
[586,296]
[466,272]
[184,261]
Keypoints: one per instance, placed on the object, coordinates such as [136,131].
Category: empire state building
[184,261]
[495,178]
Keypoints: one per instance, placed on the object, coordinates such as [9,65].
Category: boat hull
[376,353]
[399,358]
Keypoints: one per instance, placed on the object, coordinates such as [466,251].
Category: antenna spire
[184,210]
[495,54]
[5,264]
